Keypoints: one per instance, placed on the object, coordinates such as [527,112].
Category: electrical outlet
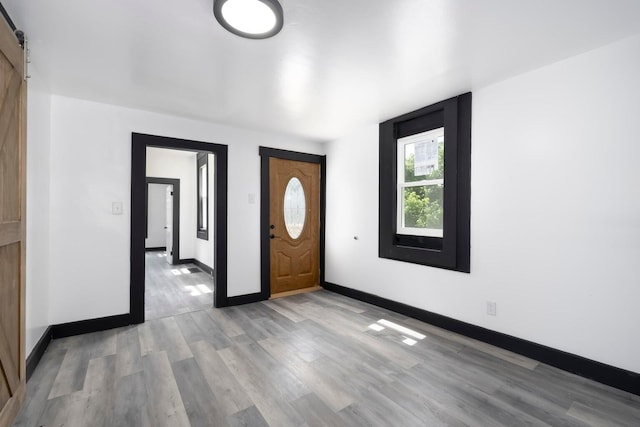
[491,308]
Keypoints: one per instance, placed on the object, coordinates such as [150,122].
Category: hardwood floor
[305,360]
[174,289]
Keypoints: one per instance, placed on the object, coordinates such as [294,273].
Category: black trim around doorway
[265,154]
[175,252]
[139,144]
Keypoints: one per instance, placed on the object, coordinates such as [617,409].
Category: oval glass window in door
[295,208]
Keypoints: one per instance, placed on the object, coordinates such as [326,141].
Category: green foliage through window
[423,205]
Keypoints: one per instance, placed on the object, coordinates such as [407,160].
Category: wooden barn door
[12,226]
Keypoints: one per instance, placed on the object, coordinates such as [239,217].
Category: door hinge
[172,193]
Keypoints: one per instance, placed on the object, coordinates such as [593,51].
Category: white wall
[91,168]
[205,248]
[38,158]
[555,211]
[177,164]
[156,216]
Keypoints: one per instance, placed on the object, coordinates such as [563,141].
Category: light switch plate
[491,308]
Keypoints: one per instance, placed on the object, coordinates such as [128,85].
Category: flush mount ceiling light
[253,19]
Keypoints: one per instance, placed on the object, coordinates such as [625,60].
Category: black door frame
[265,154]
[175,251]
[139,144]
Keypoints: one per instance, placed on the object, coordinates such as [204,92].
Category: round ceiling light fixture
[252,19]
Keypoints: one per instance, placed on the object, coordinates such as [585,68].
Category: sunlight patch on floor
[204,289]
[198,289]
[401,329]
[382,323]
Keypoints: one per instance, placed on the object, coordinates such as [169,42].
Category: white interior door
[168,228]
[156,216]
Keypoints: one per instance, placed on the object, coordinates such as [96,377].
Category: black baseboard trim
[245,299]
[159,248]
[597,371]
[186,261]
[38,351]
[90,325]
[204,267]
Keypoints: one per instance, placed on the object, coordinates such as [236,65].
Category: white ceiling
[337,64]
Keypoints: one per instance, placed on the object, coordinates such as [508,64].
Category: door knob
[272,236]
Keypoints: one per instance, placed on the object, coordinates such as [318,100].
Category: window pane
[203,197]
[203,181]
[424,155]
[294,208]
[422,209]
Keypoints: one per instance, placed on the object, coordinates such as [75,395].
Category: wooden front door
[294,212]
[12,226]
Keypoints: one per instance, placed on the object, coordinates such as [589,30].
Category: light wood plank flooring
[306,360]
[174,289]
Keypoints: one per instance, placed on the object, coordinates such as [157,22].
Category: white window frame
[401,144]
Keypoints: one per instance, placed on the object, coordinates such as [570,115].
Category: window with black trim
[425,185]
[203,195]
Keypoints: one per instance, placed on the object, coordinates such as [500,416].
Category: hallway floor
[307,360]
[174,289]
